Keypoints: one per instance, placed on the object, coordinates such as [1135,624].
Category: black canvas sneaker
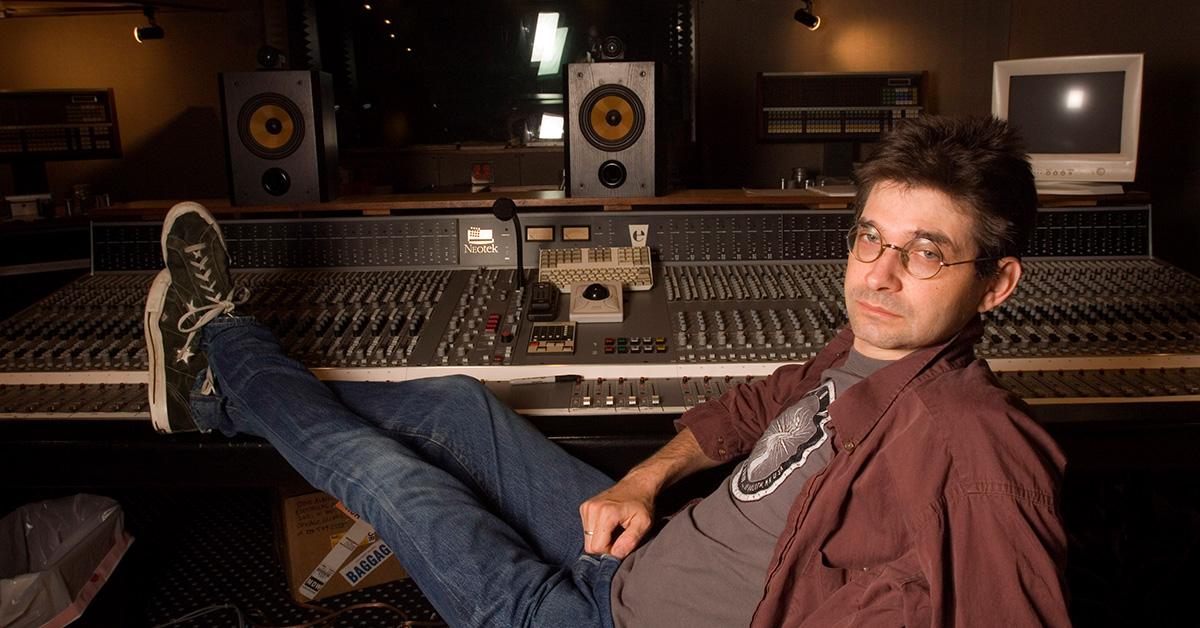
[173,366]
[195,288]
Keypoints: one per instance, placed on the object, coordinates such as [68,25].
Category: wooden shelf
[534,199]
[545,199]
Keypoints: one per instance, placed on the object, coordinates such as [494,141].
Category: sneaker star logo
[184,354]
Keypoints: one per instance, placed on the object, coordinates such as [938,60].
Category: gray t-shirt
[708,565]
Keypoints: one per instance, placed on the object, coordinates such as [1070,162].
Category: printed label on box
[334,559]
[366,562]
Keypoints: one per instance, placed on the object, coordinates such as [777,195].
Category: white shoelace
[207,313]
[207,387]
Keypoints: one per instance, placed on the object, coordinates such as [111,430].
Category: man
[890,480]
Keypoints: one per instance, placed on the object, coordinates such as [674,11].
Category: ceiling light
[153,31]
[548,42]
[805,16]
[543,36]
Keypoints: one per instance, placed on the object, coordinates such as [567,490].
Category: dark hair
[979,162]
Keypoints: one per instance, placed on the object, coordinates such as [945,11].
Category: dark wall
[956,42]
[165,91]
[1169,149]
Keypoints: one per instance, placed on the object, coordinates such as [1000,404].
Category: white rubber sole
[188,207]
[157,381]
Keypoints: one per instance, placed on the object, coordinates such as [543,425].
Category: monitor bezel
[1081,167]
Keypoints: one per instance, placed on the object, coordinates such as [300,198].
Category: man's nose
[884,273]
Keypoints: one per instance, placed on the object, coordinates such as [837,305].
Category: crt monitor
[1079,117]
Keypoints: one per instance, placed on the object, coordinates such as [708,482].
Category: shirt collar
[857,412]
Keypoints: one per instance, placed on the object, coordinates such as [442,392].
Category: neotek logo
[478,235]
[480,241]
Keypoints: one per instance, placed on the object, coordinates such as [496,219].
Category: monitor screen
[1079,116]
[1068,113]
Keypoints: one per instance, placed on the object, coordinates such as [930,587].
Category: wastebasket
[55,555]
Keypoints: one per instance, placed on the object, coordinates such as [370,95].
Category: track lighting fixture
[805,16]
[153,31]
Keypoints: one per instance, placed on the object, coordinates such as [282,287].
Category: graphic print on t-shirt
[785,446]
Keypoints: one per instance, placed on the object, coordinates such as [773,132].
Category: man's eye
[869,236]
[926,255]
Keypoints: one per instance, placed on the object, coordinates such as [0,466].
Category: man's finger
[635,529]
[598,531]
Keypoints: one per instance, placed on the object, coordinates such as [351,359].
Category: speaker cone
[612,117]
[271,126]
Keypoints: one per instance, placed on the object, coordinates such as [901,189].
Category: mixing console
[735,296]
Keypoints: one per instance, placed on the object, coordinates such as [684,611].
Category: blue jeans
[481,509]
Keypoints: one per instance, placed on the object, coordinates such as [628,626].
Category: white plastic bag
[55,555]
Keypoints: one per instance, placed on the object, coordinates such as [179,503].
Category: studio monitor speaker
[611,149]
[280,137]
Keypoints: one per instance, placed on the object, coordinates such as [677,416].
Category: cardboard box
[312,526]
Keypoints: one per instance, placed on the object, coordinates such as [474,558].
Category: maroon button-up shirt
[938,508]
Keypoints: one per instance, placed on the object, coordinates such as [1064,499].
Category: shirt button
[721,451]
[848,445]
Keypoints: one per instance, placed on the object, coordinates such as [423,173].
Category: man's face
[893,313]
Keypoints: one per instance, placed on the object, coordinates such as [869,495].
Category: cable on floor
[328,616]
[200,612]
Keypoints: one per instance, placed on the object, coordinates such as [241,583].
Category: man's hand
[628,506]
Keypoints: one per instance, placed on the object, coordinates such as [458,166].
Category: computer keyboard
[629,265]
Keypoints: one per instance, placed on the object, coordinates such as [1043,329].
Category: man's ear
[1002,284]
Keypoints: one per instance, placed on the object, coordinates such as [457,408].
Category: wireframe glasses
[920,257]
